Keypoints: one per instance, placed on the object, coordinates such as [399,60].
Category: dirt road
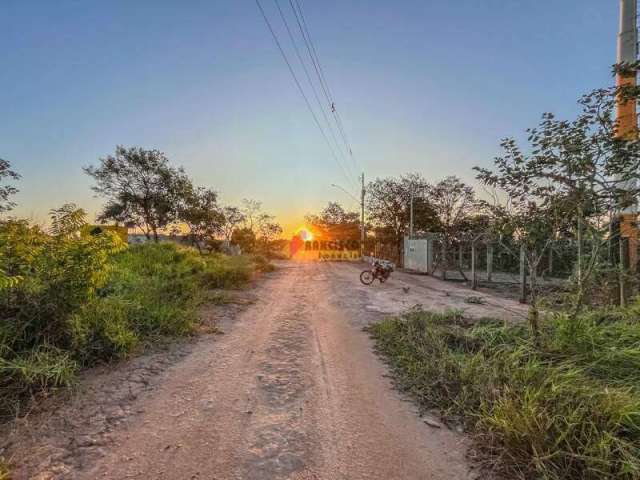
[292,390]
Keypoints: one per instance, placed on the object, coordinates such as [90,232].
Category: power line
[313,54]
[313,88]
[304,96]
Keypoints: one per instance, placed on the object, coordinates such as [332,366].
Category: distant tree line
[448,207]
[144,191]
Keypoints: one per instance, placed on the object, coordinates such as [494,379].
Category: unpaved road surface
[292,390]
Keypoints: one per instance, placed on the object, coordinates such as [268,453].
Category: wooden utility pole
[411,215]
[362,218]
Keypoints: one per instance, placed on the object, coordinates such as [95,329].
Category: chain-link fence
[489,263]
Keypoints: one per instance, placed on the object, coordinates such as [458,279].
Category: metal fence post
[444,260]
[523,275]
[474,276]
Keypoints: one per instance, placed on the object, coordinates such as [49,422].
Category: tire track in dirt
[280,440]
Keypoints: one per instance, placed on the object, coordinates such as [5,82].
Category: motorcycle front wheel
[367,277]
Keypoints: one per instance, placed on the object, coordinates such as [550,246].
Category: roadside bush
[224,271]
[563,407]
[68,301]
[101,330]
[54,276]
[263,264]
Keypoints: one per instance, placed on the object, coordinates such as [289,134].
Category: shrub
[57,276]
[74,301]
[102,330]
[545,408]
[263,264]
[223,271]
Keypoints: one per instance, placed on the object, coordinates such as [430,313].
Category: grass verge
[565,406]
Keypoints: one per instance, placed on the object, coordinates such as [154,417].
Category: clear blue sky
[422,85]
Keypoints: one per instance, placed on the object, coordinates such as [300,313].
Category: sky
[421,86]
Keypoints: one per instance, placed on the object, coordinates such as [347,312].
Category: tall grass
[4,470]
[53,324]
[563,407]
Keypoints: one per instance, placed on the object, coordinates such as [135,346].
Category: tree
[269,231]
[455,206]
[578,174]
[251,212]
[245,238]
[232,218]
[141,188]
[388,207]
[530,225]
[335,222]
[259,227]
[7,190]
[200,212]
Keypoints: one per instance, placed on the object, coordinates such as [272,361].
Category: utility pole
[361,211]
[411,216]
[627,128]
[362,218]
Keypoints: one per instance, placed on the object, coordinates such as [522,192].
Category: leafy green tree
[456,207]
[199,210]
[572,179]
[335,223]
[6,190]
[269,230]
[141,188]
[232,218]
[245,238]
[388,207]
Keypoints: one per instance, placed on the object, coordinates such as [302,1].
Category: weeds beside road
[564,407]
[79,302]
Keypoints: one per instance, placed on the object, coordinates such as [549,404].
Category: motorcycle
[380,270]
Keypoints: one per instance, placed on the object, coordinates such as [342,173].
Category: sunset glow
[305,234]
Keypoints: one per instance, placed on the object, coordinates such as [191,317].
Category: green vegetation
[562,405]
[69,301]
[4,470]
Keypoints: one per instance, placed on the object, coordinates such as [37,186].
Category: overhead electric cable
[315,92]
[313,54]
[300,89]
